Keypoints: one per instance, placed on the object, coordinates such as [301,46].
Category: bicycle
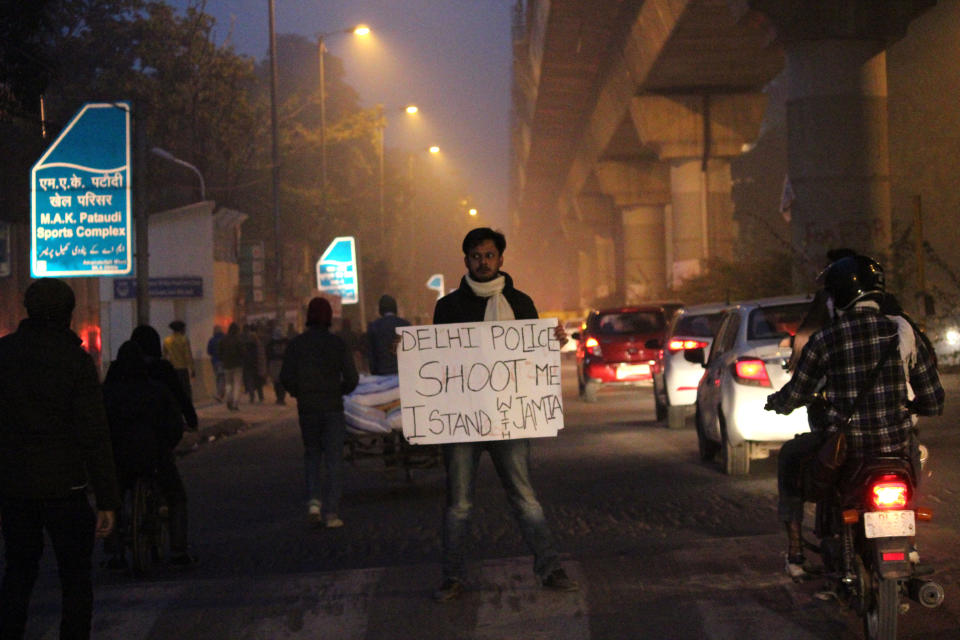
[146,523]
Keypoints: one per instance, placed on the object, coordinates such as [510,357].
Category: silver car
[747,363]
[675,385]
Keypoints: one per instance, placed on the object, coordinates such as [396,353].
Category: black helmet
[854,278]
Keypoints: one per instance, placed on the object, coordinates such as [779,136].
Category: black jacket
[463,305]
[318,370]
[145,422]
[53,429]
[380,337]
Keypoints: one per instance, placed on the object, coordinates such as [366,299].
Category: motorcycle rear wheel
[880,617]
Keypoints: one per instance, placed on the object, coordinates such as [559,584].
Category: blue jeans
[323,437]
[70,523]
[511,459]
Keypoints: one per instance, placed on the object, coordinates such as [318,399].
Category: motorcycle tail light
[893,556]
[889,492]
[592,346]
[682,345]
[752,372]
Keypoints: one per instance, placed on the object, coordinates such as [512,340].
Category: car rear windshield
[628,322]
[776,321]
[700,326]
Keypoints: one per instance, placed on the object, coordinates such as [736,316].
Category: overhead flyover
[626,114]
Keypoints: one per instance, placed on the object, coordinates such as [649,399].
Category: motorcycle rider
[837,362]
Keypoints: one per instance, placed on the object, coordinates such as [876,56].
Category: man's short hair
[482,234]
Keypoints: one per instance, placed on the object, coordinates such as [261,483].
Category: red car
[619,346]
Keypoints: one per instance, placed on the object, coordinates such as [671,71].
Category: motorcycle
[866,523]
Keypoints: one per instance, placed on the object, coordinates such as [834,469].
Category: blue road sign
[436,284]
[80,197]
[337,270]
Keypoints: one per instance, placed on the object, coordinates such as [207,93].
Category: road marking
[514,605]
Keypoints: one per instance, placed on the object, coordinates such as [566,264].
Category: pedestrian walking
[54,445]
[161,370]
[145,426]
[318,370]
[487,293]
[381,337]
[176,349]
[275,350]
[213,350]
[231,355]
[254,364]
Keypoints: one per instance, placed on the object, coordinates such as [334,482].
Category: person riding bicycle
[840,362]
[145,425]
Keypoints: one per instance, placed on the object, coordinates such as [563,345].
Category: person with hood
[54,445]
[145,426]
[318,370]
[162,371]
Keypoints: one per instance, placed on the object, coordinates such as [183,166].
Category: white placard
[480,381]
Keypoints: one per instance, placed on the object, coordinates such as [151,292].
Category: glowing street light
[434,149]
[357,30]
[472,212]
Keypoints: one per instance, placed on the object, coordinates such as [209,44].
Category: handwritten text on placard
[478,381]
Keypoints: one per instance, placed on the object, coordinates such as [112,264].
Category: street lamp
[358,30]
[166,155]
[410,109]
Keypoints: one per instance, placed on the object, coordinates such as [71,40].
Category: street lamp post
[360,30]
[275,161]
[166,155]
[381,125]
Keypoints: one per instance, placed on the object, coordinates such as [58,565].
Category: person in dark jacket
[318,370]
[163,372]
[54,444]
[231,354]
[381,336]
[485,294]
[276,347]
[145,426]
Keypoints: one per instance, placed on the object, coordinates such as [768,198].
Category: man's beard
[484,277]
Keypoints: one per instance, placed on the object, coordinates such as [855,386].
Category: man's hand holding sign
[480,381]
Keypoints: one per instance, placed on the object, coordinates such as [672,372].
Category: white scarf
[497,306]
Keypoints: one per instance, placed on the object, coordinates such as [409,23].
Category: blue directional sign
[337,270]
[436,284]
[80,197]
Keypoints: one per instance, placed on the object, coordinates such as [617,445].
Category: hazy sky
[450,57]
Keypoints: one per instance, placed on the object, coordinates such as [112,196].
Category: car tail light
[889,492]
[683,345]
[753,372]
[592,347]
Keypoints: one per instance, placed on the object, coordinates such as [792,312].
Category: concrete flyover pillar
[640,190]
[837,136]
[697,135]
[599,258]
[837,148]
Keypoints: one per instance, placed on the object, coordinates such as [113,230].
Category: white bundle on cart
[374,406]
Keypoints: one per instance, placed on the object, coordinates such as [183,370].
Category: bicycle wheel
[143,524]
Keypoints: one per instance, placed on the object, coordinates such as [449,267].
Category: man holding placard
[487,295]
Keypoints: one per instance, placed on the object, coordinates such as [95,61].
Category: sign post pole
[141,217]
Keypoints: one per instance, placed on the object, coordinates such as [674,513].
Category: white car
[675,386]
[747,363]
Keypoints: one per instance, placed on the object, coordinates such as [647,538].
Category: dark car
[618,347]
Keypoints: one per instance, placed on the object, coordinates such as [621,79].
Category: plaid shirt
[845,354]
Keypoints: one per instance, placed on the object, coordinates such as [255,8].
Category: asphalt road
[663,545]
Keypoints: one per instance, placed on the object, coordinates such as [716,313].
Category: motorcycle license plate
[889,524]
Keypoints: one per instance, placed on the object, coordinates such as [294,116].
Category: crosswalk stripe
[514,606]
